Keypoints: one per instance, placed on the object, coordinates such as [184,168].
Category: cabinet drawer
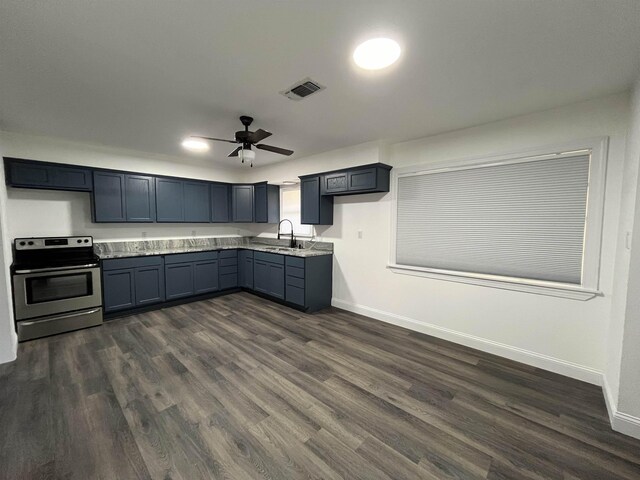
[227,262]
[189,257]
[269,257]
[228,270]
[294,261]
[295,295]
[228,253]
[130,262]
[295,281]
[295,272]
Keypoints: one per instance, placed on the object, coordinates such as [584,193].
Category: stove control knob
[30,242]
[79,241]
[22,244]
[86,240]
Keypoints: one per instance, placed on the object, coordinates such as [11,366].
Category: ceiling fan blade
[269,148]
[258,136]
[215,139]
[235,152]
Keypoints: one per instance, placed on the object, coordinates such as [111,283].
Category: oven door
[36,294]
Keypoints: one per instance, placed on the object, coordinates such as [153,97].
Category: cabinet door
[72,178]
[30,175]
[178,279]
[245,270]
[140,198]
[314,208]
[242,203]
[260,203]
[149,285]
[108,197]
[205,276]
[118,287]
[334,182]
[261,276]
[362,179]
[169,200]
[196,202]
[276,280]
[220,202]
[310,200]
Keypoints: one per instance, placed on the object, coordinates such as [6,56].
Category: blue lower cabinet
[149,285]
[119,289]
[205,277]
[132,282]
[276,280]
[268,274]
[245,269]
[228,269]
[303,283]
[179,280]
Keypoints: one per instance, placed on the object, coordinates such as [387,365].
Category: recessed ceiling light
[376,53]
[195,145]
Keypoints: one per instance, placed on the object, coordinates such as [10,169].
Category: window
[519,219]
[290,208]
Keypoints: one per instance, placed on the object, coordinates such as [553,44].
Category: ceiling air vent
[302,89]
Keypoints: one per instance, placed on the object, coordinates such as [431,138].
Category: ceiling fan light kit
[246,139]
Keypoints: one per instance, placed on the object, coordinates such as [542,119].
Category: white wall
[622,373]
[567,336]
[8,338]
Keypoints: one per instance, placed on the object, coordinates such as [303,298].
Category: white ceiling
[143,74]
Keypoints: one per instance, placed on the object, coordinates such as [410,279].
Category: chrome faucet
[292,243]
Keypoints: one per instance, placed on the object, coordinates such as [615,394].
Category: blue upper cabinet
[140,198]
[220,202]
[363,179]
[30,174]
[315,209]
[121,197]
[169,200]
[242,203]
[196,202]
[108,197]
[266,203]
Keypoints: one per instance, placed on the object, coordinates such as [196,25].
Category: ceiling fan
[246,139]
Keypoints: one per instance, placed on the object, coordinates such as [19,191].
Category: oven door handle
[58,269]
[58,317]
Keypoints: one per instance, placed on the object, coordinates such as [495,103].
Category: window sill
[572,292]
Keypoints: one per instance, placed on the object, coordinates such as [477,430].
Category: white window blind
[524,219]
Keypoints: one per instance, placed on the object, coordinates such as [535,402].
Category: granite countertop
[304,252]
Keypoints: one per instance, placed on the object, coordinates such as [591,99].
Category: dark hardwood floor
[242,388]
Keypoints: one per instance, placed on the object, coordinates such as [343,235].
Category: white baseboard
[620,422]
[562,367]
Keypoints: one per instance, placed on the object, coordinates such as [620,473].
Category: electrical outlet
[144,234]
[360,234]
[193,233]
